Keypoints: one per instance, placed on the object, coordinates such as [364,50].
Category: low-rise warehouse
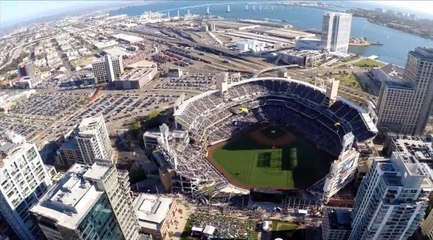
[136,78]
[305,58]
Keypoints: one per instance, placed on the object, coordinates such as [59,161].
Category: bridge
[271,69]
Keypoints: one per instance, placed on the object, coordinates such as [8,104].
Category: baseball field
[270,157]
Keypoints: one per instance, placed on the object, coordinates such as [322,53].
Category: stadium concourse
[332,123]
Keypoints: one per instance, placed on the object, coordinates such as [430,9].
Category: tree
[153,120]
[293,158]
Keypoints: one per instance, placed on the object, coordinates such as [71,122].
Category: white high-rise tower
[108,69]
[336,32]
[392,199]
[93,140]
[88,202]
[23,179]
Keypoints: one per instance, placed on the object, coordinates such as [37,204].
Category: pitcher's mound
[273,136]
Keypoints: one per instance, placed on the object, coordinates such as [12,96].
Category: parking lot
[24,127]
[50,104]
[117,107]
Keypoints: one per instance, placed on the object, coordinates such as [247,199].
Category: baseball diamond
[269,156]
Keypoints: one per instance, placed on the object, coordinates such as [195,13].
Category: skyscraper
[108,68]
[392,199]
[336,31]
[336,223]
[93,140]
[427,226]
[405,107]
[88,202]
[23,179]
[24,70]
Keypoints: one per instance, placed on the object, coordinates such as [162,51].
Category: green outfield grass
[282,226]
[297,165]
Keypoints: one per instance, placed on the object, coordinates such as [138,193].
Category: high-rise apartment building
[88,202]
[108,68]
[427,226]
[23,179]
[24,70]
[392,199]
[93,140]
[68,154]
[421,149]
[336,223]
[405,107]
[336,31]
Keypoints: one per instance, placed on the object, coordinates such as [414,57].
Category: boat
[228,8]
[207,10]
[377,43]
[246,6]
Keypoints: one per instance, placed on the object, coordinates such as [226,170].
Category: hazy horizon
[35,10]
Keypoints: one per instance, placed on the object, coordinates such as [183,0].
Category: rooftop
[129,38]
[10,143]
[179,134]
[151,210]
[102,59]
[423,53]
[417,153]
[116,51]
[302,53]
[418,147]
[339,218]
[403,170]
[89,124]
[136,73]
[70,199]
[142,63]
[394,72]
[338,14]
[97,171]
[398,84]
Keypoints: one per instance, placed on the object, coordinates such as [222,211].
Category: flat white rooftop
[116,51]
[88,125]
[129,38]
[69,201]
[151,210]
[137,73]
[97,171]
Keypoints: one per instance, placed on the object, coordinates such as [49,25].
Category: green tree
[293,158]
[153,120]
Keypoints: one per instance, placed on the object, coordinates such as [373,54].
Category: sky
[418,6]
[11,11]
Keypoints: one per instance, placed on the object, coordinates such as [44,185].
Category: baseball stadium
[266,133]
